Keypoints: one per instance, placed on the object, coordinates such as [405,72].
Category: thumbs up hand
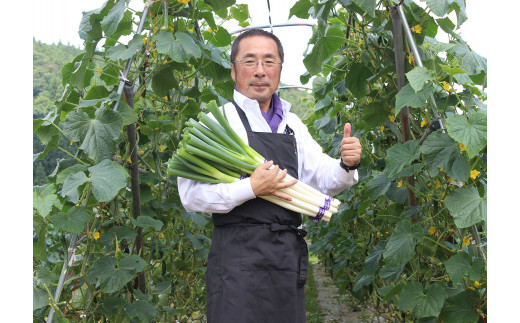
[350,148]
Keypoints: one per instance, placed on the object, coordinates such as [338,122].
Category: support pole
[131,59]
[401,82]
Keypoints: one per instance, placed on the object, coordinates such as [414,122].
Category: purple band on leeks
[327,202]
[318,216]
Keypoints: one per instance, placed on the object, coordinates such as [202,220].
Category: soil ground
[338,308]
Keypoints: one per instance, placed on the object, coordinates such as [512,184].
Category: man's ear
[233,72]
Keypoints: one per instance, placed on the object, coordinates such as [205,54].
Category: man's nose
[259,68]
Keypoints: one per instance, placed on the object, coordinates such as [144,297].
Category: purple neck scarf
[275,114]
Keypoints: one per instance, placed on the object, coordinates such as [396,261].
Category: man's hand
[350,148]
[267,182]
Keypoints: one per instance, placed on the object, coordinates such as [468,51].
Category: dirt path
[338,308]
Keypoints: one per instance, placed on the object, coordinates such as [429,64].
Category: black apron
[257,263]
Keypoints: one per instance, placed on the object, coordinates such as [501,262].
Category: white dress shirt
[315,168]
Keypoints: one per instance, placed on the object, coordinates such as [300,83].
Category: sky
[58,20]
[490,31]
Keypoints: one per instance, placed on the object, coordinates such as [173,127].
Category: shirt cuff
[241,191]
[343,176]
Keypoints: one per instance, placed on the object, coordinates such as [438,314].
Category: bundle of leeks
[211,151]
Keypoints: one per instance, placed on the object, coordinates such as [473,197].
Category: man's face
[257,83]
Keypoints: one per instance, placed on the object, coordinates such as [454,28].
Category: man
[257,264]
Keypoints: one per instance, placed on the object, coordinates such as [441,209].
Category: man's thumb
[346,132]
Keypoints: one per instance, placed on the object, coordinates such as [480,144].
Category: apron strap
[243,117]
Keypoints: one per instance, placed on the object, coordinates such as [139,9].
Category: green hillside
[47,88]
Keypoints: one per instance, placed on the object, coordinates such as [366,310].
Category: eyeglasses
[252,64]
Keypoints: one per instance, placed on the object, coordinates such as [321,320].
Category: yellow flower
[447,278]
[161,148]
[392,118]
[417,29]
[183,1]
[445,86]
[400,184]
[129,160]
[474,174]
[382,128]
[411,60]
[462,147]
[99,70]
[209,29]
[363,215]
[466,241]
[165,98]
[424,122]
[477,284]
[190,30]
[360,42]
[96,236]
[71,142]
[140,152]
[393,110]
[378,234]
[160,235]
[432,230]
[437,184]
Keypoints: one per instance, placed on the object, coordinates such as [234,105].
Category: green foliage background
[412,261]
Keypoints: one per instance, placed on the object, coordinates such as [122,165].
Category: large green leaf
[141,309]
[220,4]
[40,246]
[418,77]
[472,131]
[121,232]
[71,185]
[401,245]
[40,298]
[122,52]
[356,80]
[300,9]
[441,151]
[148,222]
[375,114]
[461,264]
[221,37]
[400,155]
[199,219]
[110,21]
[111,277]
[323,49]
[98,135]
[407,97]
[180,49]
[369,6]
[422,302]
[466,206]
[378,185]
[163,81]
[108,178]
[439,7]
[460,308]
[471,62]
[73,221]
[44,198]
[45,128]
